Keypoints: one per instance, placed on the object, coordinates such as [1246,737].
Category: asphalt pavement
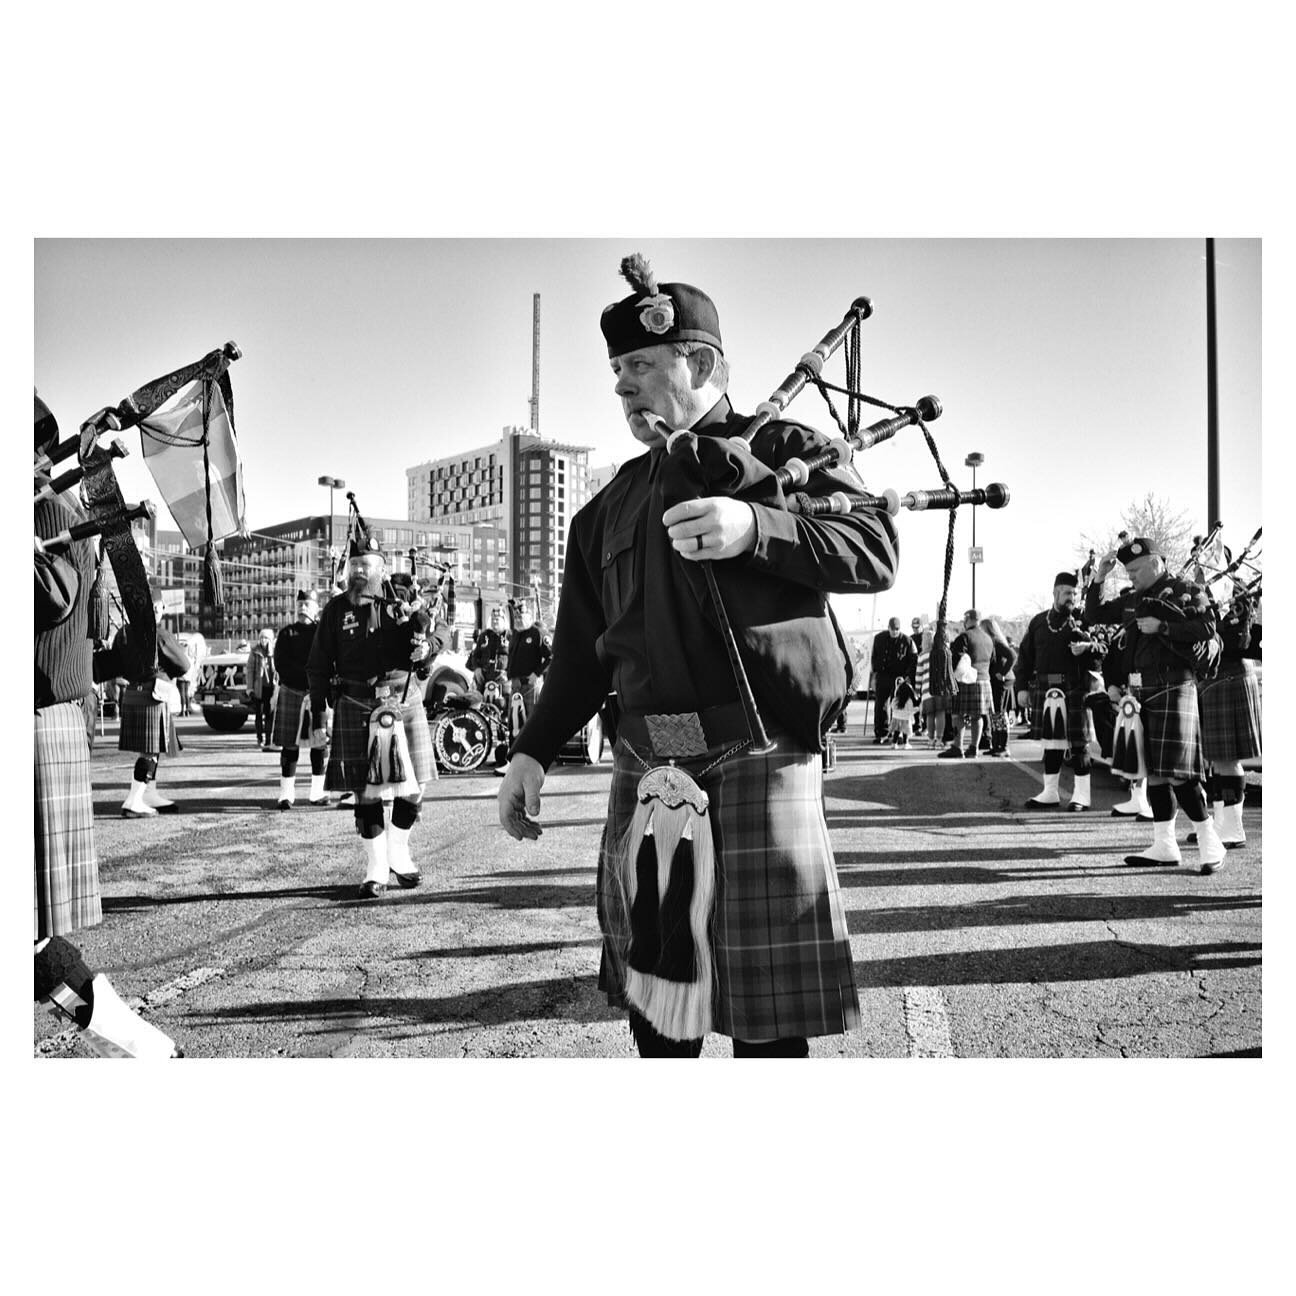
[979,929]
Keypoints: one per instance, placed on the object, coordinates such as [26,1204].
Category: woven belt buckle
[678,735]
[1135,679]
[382,690]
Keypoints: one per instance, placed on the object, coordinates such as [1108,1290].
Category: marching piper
[1169,639]
[1052,676]
[292,714]
[749,936]
[365,652]
[66,863]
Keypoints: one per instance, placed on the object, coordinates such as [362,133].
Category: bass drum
[462,739]
[586,745]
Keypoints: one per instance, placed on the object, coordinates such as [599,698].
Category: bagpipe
[718,466]
[110,517]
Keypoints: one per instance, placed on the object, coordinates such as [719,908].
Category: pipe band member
[1056,656]
[380,742]
[1168,642]
[66,864]
[765,930]
[292,713]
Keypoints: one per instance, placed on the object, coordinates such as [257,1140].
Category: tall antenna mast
[535,363]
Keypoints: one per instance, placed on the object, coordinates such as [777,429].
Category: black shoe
[407,880]
[285,805]
[1077,809]
[1043,805]
[950,753]
[1141,861]
[370,890]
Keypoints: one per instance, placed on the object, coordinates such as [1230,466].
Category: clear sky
[1076,367]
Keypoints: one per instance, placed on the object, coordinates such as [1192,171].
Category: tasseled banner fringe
[1128,756]
[668,862]
[1053,723]
[100,628]
[213,595]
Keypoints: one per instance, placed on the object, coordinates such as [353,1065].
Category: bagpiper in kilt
[1170,639]
[291,727]
[1056,652]
[147,727]
[1230,714]
[361,656]
[66,892]
[743,917]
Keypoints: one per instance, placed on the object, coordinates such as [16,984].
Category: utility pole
[1212,395]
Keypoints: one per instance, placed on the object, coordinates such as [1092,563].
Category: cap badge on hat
[657,314]
[1136,549]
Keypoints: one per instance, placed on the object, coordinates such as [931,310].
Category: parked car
[222,691]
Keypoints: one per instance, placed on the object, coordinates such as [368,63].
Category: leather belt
[364,690]
[686,733]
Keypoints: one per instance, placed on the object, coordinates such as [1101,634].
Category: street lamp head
[974,460]
[334,483]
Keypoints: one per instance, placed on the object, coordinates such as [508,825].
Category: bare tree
[1151,517]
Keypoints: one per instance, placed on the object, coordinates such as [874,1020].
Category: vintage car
[221,691]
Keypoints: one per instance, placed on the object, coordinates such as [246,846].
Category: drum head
[462,740]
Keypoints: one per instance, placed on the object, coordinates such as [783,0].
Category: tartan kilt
[348,764]
[778,935]
[1171,731]
[146,728]
[1075,713]
[67,868]
[975,699]
[288,715]
[1230,712]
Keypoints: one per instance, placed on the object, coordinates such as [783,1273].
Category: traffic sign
[976,554]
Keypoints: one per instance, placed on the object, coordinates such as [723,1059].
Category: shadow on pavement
[499,951]
[570,999]
[1040,909]
[1082,961]
[137,903]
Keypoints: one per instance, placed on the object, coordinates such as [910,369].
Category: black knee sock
[791,1046]
[1189,796]
[651,1044]
[404,813]
[63,977]
[1080,762]
[145,768]
[1232,788]
[288,761]
[369,818]
[1052,762]
[317,760]
[1161,799]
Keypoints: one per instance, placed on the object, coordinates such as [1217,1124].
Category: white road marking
[926,1022]
[168,990]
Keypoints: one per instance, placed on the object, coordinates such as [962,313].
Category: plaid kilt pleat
[67,869]
[1230,713]
[1171,731]
[1075,713]
[348,763]
[975,699]
[291,727]
[779,940]
[146,728]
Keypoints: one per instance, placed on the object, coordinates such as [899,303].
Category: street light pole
[974,461]
[333,483]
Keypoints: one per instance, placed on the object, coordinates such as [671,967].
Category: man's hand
[1114,693]
[519,798]
[419,649]
[1148,625]
[1080,646]
[1105,567]
[1023,698]
[726,528]
[319,737]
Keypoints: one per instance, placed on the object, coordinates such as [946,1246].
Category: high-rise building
[526,488]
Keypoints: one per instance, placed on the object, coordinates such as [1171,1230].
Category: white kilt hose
[348,765]
[146,727]
[1171,727]
[67,871]
[1230,712]
[779,944]
[292,718]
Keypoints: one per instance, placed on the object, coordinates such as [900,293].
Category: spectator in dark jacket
[893,658]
